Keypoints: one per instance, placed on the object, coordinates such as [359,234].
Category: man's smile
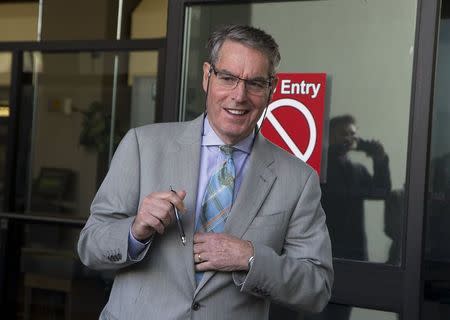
[236,112]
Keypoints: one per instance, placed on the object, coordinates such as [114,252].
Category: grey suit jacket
[277,208]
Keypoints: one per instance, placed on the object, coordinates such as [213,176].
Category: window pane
[5,86]
[437,236]
[366,49]
[77,97]
[436,272]
[82,19]
[139,19]
[19,21]
[149,19]
[54,284]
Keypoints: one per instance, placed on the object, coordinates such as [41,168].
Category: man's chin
[234,137]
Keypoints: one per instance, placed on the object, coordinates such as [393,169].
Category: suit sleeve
[302,276]
[103,242]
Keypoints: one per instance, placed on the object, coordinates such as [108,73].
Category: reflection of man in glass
[348,184]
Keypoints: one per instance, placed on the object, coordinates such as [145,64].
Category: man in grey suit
[271,244]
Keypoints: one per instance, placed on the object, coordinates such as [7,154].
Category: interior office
[74,76]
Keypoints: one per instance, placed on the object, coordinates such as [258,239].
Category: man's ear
[206,75]
[272,88]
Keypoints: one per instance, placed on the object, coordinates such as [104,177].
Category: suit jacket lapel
[186,154]
[254,189]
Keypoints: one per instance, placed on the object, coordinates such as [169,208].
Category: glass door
[370,52]
[436,274]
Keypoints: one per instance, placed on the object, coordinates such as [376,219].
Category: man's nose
[240,92]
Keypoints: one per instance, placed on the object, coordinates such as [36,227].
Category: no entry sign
[294,119]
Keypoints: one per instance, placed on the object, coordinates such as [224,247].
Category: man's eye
[227,78]
[256,84]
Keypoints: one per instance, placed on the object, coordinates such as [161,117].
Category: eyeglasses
[228,81]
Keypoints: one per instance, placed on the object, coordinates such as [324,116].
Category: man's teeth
[237,112]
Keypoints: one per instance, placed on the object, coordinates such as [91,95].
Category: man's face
[343,137]
[233,113]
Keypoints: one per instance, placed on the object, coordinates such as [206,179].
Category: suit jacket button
[195,306]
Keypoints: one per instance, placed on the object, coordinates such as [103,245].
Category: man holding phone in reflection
[255,229]
[349,184]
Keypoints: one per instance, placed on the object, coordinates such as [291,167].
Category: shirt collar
[210,138]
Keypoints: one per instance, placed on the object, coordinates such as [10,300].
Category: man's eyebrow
[226,71]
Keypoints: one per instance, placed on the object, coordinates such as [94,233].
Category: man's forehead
[237,48]
[231,46]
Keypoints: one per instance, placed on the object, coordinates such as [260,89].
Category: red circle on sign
[294,124]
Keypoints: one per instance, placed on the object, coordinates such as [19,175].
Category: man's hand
[376,150]
[221,252]
[156,213]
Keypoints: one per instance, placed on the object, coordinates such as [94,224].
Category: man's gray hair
[249,36]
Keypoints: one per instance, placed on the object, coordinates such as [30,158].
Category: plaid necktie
[218,197]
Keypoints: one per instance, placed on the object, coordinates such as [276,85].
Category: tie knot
[227,150]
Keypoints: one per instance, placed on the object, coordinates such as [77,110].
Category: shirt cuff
[136,247]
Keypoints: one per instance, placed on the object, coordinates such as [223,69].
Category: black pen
[179,224]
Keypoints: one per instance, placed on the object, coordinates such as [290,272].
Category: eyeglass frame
[268,82]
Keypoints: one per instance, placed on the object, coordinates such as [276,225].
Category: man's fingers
[204,266]
[199,247]
[200,257]
[165,219]
[176,198]
[181,194]
[219,251]
[163,211]
[201,237]
[156,212]
[156,224]
[155,205]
